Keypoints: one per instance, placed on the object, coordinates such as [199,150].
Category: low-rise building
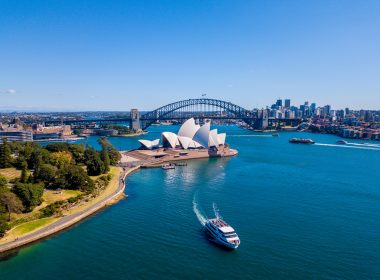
[17,135]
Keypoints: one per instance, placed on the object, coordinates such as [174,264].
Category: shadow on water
[9,254]
[14,252]
[215,244]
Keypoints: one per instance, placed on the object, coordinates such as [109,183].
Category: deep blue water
[301,211]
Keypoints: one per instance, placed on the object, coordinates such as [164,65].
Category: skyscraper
[287,103]
[326,110]
[313,106]
[279,103]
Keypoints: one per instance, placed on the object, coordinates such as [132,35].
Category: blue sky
[115,55]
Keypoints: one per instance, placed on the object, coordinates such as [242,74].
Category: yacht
[301,141]
[222,233]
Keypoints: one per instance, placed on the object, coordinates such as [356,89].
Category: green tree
[106,160]
[27,153]
[5,154]
[24,172]
[77,150]
[104,154]
[47,173]
[113,154]
[74,178]
[30,194]
[36,166]
[3,181]
[121,129]
[57,147]
[95,165]
[4,226]
[61,159]
[11,202]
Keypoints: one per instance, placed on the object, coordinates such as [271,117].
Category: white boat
[168,166]
[222,233]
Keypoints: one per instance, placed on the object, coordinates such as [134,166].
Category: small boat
[275,135]
[301,141]
[344,142]
[168,166]
[222,233]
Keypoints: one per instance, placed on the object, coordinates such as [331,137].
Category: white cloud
[9,91]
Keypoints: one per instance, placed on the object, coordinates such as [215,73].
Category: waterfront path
[69,220]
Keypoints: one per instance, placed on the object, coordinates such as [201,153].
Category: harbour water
[301,212]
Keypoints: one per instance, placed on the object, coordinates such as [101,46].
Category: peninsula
[46,189]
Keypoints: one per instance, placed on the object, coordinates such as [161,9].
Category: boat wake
[364,145]
[201,218]
[237,135]
[358,146]
[216,211]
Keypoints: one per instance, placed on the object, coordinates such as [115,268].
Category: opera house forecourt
[192,141]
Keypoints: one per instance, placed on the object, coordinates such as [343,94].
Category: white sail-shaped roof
[213,138]
[222,138]
[186,142]
[147,144]
[188,129]
[202,135]
[190,135]
[197,145]
[170,138]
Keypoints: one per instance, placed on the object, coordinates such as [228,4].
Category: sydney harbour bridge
[200,108]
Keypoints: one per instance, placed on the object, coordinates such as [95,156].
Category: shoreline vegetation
[73,204]
[39,229]
[52,185]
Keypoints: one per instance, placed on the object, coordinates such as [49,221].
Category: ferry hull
[218,240]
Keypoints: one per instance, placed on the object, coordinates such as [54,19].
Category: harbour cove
[300,212]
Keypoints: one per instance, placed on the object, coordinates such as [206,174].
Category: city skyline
[76,56]
[271,105]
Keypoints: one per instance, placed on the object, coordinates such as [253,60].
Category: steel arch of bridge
[160,113]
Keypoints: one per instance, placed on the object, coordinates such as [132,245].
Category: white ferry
[222,233]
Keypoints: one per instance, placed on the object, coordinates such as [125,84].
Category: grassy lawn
[26,228]
[30,226]
[51,196]
[10,173]
[112,187]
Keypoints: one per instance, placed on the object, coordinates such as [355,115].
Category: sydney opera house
[190,136]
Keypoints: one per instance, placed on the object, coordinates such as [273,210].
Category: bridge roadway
[184,109]
[128,120]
